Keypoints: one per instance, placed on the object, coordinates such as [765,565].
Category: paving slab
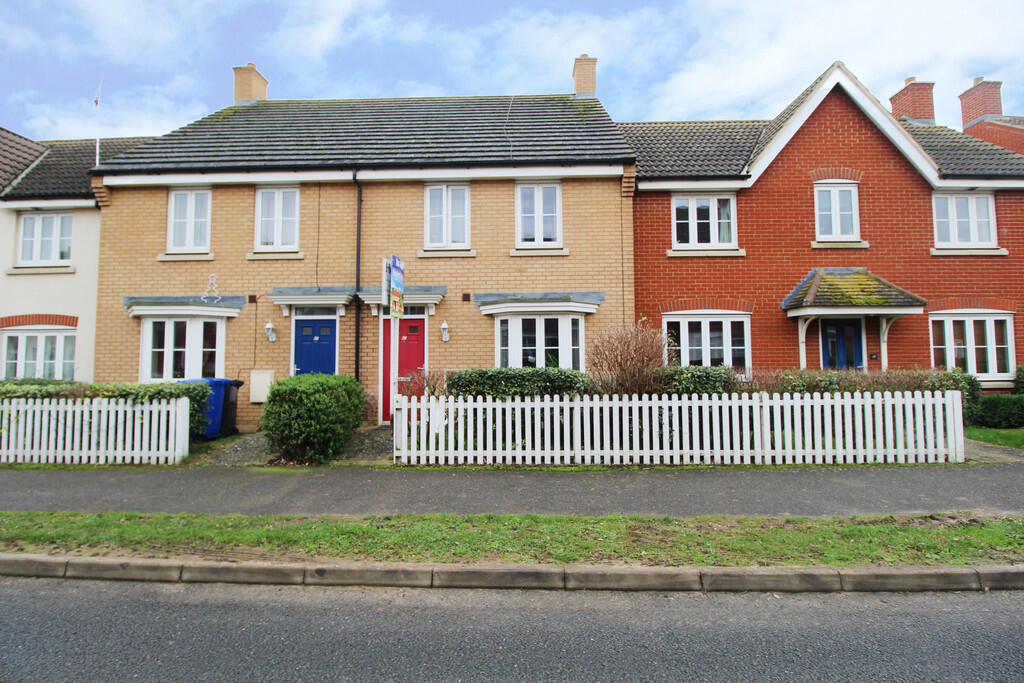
[26,564]
[242,572]
[370,574]
[1001,577]
[909,578]
[775,579]
[509,576]
[599,577]
[123,569]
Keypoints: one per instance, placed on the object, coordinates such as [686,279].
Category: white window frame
[190,227]
[277,246]
[954,242]
[538,234]
[21,333]
[515,339]
[705,317]
[38,258]
[446,242]
[969,316]
[193,347]
[834,186]
[714,229]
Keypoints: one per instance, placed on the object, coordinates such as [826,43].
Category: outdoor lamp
[444,332]
[271,331]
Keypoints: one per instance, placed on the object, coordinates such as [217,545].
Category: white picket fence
[745,429]
[93,431]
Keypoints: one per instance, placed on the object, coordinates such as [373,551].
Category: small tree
[627,360]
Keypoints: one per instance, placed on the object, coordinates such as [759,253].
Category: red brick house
[833,235]
[982,109]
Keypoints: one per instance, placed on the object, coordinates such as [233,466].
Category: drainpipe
[359,257]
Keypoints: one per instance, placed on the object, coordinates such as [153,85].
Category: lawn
[1003,437]
[936,539]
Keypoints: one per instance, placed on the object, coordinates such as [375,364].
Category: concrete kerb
[570,577]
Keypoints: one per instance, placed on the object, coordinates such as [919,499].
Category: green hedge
[310,418]
[1000,411]
[1018,380]
[197,393]
[506,382]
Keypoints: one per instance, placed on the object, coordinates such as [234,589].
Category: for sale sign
[397,287]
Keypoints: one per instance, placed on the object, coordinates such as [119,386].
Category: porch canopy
[847,293]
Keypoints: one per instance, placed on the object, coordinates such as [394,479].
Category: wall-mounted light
[271,331]
[444,332]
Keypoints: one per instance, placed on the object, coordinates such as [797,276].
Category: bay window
[181,348]
[539,341]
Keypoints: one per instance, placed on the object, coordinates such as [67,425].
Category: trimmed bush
[198,394]
[310,418]
[506,382]
[697,379]
[1000,411]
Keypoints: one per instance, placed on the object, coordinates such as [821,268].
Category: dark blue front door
[841,345]
[315,346]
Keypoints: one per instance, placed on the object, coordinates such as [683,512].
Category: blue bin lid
[216,381]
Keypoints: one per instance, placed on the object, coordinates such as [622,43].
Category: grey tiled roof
[63,171]
[16,154]
[692,149]
[847,287]
[374,290]
[776,125]
[284,291]
[1011,120]
[231,301]
[308,134]
[483,298]
[960,155]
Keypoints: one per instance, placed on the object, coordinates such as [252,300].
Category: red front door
[411,356]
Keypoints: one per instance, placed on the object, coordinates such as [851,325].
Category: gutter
[359,259]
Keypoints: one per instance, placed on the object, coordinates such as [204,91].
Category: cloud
[145,110]
[313,29]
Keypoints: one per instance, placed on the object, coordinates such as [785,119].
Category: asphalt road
[52,630]
[355,490]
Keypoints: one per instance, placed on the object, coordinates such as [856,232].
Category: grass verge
[936,539]
[1014,438]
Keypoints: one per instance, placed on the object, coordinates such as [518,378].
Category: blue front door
[841,345]
[315,345]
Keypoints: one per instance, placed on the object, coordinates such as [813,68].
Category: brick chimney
[584,76]
[981,101]
[914,101]
[250,85]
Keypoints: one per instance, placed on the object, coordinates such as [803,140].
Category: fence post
[181,434]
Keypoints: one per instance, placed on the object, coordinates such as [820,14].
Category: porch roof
[849,291]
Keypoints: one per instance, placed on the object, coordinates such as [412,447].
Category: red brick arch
[39,319]
[719,303]
[836,173]
[950,302]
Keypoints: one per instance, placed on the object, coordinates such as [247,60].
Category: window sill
[981,251]
[539,252]
[41,270]
[274,256]
[996,383]
[446,253]
[852,244]
[184,257]
[682,253]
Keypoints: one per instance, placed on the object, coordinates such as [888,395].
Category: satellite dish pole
[96,103]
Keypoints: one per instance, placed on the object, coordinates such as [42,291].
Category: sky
[164,64]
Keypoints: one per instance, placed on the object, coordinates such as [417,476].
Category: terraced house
[837,234]
[249,244]
[49,255]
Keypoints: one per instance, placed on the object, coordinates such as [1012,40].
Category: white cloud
[137,111]
[313,29]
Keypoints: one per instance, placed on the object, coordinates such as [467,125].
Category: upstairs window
[277,220]
[188,221]
[964,220]
[539,215]
[836,211]
[446,217]
[704,222]
[44,239]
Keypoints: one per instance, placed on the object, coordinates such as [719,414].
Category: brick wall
[1010,137]
[597,231]
[775,220]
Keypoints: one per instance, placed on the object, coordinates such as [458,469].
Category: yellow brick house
[249,243]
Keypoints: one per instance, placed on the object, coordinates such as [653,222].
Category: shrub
[627,360]
[429,383]
[310,418]
[1018,380]
[1001,411]
[198,394]
[697,379]
[506,382]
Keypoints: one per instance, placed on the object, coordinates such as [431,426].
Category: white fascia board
[260,178]
[49,204]
[312,299]
[539,307]
[418,299]
[867,103]
[469,173]
[689,185]
[182,312]
[847,311]
[971,184]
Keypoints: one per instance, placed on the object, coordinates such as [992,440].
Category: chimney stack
[584,76]
[981,101]
[250,85]
[915,101]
